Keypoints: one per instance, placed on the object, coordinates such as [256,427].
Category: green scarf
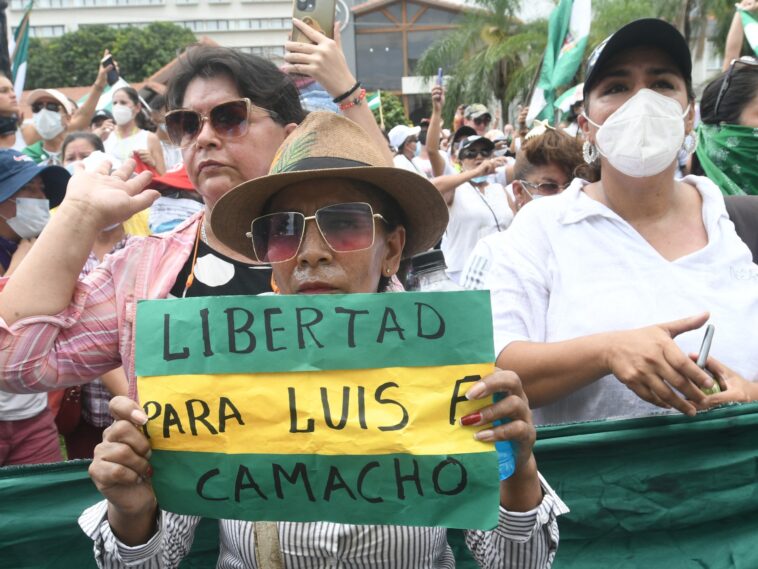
[728,154]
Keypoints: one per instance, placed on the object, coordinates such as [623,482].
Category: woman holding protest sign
[598,293]
[368,216]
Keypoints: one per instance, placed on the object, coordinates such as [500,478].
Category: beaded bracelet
[347,93]
[353,102]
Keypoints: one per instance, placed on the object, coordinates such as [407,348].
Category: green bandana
[728,154]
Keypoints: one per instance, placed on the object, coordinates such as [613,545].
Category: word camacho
[340,408]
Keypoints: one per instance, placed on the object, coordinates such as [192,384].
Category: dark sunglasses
[345,227]
[474,152]
[228,120]
[486,119]
[546,188]
[50,106]
[745,60]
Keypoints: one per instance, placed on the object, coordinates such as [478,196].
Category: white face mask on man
[644,135]
[32,214]
[49,124]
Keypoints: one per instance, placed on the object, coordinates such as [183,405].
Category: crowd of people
[598,293]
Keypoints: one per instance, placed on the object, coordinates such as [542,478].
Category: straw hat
[326,145]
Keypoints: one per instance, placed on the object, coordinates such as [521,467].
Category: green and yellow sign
[338,408]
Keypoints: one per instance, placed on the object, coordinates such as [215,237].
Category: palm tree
[491,53]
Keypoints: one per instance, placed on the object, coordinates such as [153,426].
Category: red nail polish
[149,473]
[471,419]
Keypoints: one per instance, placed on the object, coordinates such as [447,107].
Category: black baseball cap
[101,114]
[648,32]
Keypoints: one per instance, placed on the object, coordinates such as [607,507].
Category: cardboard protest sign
[338,408]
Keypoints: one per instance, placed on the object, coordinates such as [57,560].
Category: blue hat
[17,170]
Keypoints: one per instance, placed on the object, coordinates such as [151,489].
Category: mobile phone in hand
[702,359]
[318,14]
[112,73]
[439,76]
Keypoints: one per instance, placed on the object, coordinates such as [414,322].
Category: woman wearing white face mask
[130,137]
[600,293]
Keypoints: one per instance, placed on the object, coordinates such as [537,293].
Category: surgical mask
[417,152]
[122,114]
[479,179]
[49,124]
[166,213]
[32,214]
[8,124]
[644,135]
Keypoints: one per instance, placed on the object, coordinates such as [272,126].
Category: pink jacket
[95,333]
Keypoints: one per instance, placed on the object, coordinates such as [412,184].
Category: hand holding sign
[121,472]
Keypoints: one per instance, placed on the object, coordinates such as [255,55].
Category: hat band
[321,163]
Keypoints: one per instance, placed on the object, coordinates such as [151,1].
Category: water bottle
[428,275]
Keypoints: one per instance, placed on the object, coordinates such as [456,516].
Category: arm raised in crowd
[44,282]
[736,35]
[83,116]
[324,61]
[448,184]
[435,128]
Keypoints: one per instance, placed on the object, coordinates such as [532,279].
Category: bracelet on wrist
[354,102]
[347,93]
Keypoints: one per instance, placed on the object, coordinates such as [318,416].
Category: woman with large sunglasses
[600,293]
[231,111]
[333,217]
[478,207]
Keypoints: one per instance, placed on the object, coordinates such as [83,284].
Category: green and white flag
[375,101]
[568,34]
[19,52]
[750,25]
[105,101]
[569,97]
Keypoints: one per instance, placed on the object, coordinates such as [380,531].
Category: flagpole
[381,112]
[533,86]
[5,61]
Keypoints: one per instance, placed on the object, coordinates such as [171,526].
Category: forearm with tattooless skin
[133,528]
[522,491]
[44,282]
[554,370]
[733,46]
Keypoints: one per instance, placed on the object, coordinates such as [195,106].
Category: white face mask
[32,214]
[49,124]
[122,114]
[644,135]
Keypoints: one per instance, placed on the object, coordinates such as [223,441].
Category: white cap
[400,134]
[38,94]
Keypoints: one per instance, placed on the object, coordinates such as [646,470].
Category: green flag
[750,25]
[568,33]
[19,52]
[375,101]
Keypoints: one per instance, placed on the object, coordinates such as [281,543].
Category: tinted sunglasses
[486,119]
[546,188]
[748,60]
[228,120]
[345,227]
[474,152]
[50,106]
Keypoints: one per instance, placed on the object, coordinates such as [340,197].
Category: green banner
[454,490]
[238,334]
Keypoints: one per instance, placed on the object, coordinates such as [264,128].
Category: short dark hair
[90,137]
[742,89]
[256,78]
[157,102]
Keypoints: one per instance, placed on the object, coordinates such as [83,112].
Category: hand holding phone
[113,72]
[702,359]
[439,76]
[318,14]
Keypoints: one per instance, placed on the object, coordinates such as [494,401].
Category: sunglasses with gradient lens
[345,227]
[229,120]
[50,106]
[470,153]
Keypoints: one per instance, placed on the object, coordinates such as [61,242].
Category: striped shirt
[522,540]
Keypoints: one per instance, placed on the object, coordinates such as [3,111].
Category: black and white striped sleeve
[521,540]
[171,542]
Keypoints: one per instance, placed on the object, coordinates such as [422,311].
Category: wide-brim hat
[17,170]
[644,32]
[324,146]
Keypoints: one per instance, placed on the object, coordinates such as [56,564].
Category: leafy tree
[73,59]
[392,110]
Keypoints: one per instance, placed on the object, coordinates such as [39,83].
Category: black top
[743,211]
[218,275]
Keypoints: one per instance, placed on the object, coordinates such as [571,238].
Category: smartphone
[318,14]
[439,76]
[702,359]
[112,74]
